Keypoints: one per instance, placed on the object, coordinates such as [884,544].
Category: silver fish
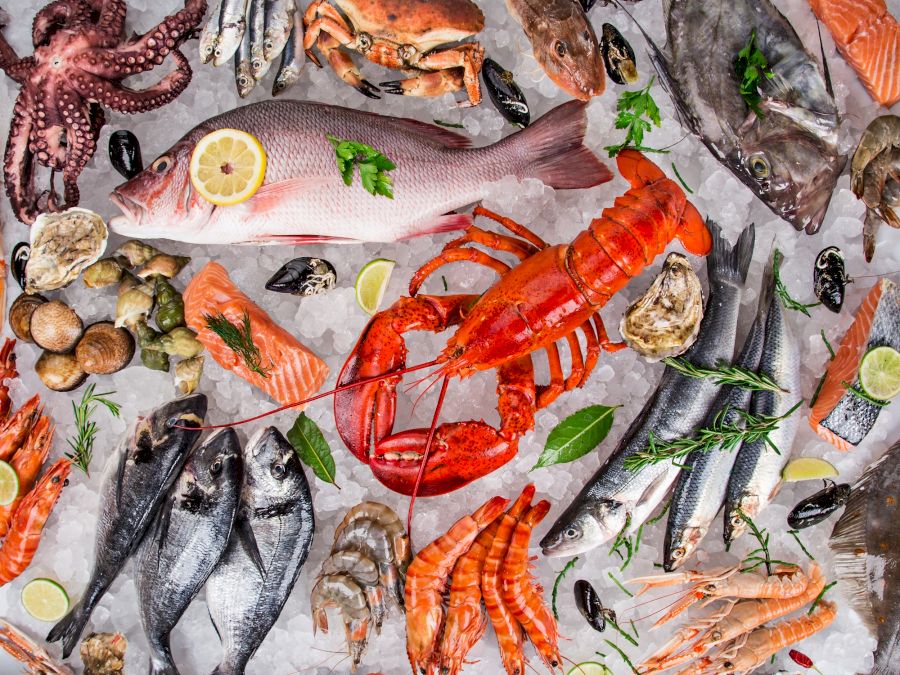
[231,30]
[789,156]
[756,476]
[138,476]
[243,70]
[186,541]
[272,537]
[209,36]
[615,498]
[279,22]
[255,37]
[304,198]
[292,58]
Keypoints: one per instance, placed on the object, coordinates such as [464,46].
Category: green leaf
[577,435]
[373,165]
[312,448]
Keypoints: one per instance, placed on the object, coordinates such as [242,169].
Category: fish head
[173,425]
[586,524]
[568,52]
[680,544]
[735,525]
[216,465]
[273,472]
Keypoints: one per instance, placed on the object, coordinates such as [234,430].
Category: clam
[19,259]
[665,320]
[59,372]
[187,375]
[164,265]
[20,314]
[136,252]
[62,245]
[55,326]
[104,349]
[104,272]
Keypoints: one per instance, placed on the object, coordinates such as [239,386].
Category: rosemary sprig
[619,584]
[753,559]
[239,339]
[782,291]
[859,393]
[726,374]
[820,596]
[796,535]
[559,578]
[82,443]
[624,657]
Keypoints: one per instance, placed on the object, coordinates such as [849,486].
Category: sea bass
[138,476]
[304,199]
[789,154]
[616,497]
[186,541]
[272,537]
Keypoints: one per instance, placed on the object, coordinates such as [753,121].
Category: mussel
[125,154]
[19,260]
[505,93]
[104,349]
[303,276]
[816,508]
[586,5]
[830,278]
[59,372]
[588,603]
[618,56]
[55,327]
[20,314]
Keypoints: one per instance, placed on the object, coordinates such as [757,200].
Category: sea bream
[304,199]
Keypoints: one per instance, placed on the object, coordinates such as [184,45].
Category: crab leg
[343,65]
[468,58]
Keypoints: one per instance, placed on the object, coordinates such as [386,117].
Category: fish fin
[120,477]
[301,239]
[654,493]
[726,262]
[446,223]
[246,536]
[70,628]
[637,169]
[692,232]
[431,133]
[829,86]
[165,518]
[270,196]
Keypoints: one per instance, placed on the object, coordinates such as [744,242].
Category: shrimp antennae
[428,443]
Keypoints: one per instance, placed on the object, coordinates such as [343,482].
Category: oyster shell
[665,320]
[62,245]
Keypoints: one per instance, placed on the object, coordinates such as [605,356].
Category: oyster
[103,653]
[62,245]
[665,320]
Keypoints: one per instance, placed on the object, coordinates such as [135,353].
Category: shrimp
[508,630]
[24,534]
[372,540]
[389,521]
[27,463]
[14,430]
[364,572]
[342,592]
[35,658]
[7,372]
[521,595]
[427,577]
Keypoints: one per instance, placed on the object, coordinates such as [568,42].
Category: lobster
[552,294]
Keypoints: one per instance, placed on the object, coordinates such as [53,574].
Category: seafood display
[874,177]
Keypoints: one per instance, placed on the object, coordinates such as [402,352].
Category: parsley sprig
[373,166]
[82,443]
[239,339]
[632,106]
[751,65]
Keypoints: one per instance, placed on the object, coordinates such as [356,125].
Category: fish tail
[161,662]
[70,627]
[726,263]
[226,668]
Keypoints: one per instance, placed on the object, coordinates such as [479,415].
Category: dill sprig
[82,443]
[820,596]
[238,338]
[782,291]
[759,556]
[859,393]
[726,374]
[559,578]
[796,535]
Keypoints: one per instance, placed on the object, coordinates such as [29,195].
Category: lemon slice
[9,484]
[879,373]
[45,600]
[372,282]
[228,166]
[808,468]
[590,668]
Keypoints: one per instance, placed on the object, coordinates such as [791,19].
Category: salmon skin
[868,37]
[292,372]
[839,416]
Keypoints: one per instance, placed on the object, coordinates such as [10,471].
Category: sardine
[243,70]
[231,30]
[255,38]
[789,155]
[209,36]
[756,476]
[292,58]
[138,476]
[272,536]
[186,541]
[279,20]
[304,199]
[616,498]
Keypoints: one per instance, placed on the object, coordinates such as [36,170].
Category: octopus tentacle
[10,63]
[56,15]
[81,146]
[111,23]
[18,162]
[166,36]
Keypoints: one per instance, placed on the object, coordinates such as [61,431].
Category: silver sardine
[255,37]
[243,70]
[209,36]
[292,58]
[279,22]
[231,31]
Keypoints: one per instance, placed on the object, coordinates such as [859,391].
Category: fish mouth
[131,210]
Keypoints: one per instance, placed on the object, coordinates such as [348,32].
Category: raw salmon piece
[293,372]
[839,416]
[868,37]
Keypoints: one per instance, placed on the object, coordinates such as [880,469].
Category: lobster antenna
[421,474]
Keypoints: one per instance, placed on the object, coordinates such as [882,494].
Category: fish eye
[759,166]
[216,466]
[570,533]
[678,553]
[560,48]
[278,471]
[161,165]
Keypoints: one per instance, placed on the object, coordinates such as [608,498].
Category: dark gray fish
[272,536]
[875,177]
[292,58]
[615,498]
[303,276]
[138,476]
[618,56]
[817,507]
[866,544]
[187,539]
[830,278]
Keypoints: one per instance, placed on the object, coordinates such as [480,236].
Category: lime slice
[879,373]
[228,166]
[45,600]
[9,484]
[590,668]
[372,282]
[808,468]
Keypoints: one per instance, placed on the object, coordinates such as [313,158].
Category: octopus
[80,59]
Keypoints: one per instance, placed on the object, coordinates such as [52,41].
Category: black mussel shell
[816,508]
[618,56]
[587,4]
[588,603]
[19,259]
[125,154]
[303,276]
[830,278]
[505,93]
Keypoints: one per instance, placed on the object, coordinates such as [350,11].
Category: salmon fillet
[868,37]
[837,415]
[293,372]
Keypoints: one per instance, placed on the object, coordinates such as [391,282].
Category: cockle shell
[62,245]
[104,349]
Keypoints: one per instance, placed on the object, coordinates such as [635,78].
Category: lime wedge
[590,668]
[45,600]
[879,373]
[9,484]
[372,282]
[808,468]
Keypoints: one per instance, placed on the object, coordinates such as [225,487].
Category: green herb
[782,291]
[796,535]
[618,628]
[559,578]
[754,559]
[827,344]
[632,106]
[632,543]
[634,628]
[576,435]
[820,596]
[619,584]
[859,393]
[82,443]
[373,166]
[680,179]
[624,657]
[751,66]
[452,125]
[444,280]
[724,373]
[312,448]
[238,339]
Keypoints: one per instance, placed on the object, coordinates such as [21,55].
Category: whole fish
[564,44]
[272,536]
[243,69]
[232,25]
[788,155]
[615,498]
[875,177]
[292,58]
[304,199]
[279,20]
[186,541]
[209,36]
[138,476]
[255,38]
[756,476]
[866,544]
